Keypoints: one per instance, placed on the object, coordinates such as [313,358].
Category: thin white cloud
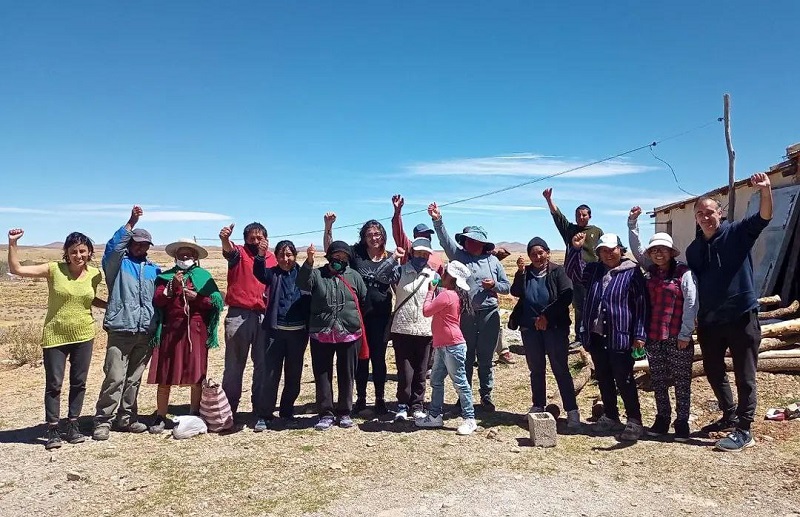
[526,165]
[18,210]
[107,206]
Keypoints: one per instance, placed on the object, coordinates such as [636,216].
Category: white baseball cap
[460,272]
[609,240]
[662,239]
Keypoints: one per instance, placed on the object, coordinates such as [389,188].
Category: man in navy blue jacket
[728,315]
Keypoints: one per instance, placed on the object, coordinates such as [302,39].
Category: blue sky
[208,113]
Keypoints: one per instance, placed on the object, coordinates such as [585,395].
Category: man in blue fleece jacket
[728,314]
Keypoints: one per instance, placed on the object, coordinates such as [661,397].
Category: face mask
[418,263]
[252,248]
[184,264]
[338,265]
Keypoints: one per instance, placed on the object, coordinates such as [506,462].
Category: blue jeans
[449,360]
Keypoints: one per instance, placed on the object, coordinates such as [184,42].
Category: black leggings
[376,330]
[55,362]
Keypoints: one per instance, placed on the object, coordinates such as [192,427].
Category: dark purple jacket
[621,306]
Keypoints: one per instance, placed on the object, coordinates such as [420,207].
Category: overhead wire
[538,179]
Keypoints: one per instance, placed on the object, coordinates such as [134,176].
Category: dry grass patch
[22,343]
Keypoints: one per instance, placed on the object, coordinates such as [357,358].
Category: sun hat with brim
[173,247]
[421,244]
[609,240]
[460,272]
[662,239]
[476,233]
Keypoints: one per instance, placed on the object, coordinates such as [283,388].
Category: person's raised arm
[761,182]
[633,237]
[14,267]
[117,246]
[434,304]
[401,240]
[388,271]
[327,236]
[562,224]
[448,244]
[304,280]
[263,273]
[225,238]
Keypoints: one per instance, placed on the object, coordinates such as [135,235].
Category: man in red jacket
[246,301]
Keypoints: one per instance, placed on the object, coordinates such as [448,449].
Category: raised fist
[226,232]
[548,193]
[634,213]
[14,235]
[521,263]
[434,212]
[329,218]
[310,252]
[578,240]
[398,202]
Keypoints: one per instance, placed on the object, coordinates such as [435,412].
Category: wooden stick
[777,365]
[767,343]
[726,102]
[780,313]
[770,300]
[784,328]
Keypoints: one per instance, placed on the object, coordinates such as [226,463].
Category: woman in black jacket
[542,314]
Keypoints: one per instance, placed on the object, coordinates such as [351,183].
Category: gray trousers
[126,358]
[480,332]
[243,337]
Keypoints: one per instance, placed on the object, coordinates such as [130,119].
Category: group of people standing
[441,319]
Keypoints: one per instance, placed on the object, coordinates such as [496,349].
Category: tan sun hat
[173,247]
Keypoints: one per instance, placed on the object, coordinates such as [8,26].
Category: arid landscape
[379,467]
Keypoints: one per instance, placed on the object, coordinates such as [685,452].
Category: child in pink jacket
[449,347]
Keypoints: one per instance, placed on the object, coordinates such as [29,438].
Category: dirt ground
[378,467]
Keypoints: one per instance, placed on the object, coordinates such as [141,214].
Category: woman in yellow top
[69,328]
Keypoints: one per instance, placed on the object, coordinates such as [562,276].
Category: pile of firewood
[780,341]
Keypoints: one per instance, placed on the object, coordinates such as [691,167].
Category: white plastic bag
[188,426]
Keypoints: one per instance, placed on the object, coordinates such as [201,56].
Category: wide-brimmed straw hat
[173,247]
[476,233]
[662,239]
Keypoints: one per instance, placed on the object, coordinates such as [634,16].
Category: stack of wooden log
[779,351]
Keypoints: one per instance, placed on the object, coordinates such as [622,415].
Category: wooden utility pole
[726,99]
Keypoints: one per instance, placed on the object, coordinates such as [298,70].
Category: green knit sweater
[69,306]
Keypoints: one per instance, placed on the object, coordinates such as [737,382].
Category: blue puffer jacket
[131,286]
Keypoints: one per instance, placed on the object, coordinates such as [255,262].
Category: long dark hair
[360,248]
[465,301]
[77,238]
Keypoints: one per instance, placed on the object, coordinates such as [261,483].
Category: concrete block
[542,427]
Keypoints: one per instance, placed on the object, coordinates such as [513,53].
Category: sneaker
[360,405]
[101,432]
[723,425]
[536,409]
[53,438]
[486,402]
[506,358]
[74,434]
[401,413]
[660,427]
[380,407]
[632,432]
[429,421]
[134,427]
[325,423]
[736,441]
[606,425]
[419,413]
[158,426]
[681,430]
[467,427]
[260,426]
[345,422]
[573,419]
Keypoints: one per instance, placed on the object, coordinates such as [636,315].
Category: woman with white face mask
[188,304]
